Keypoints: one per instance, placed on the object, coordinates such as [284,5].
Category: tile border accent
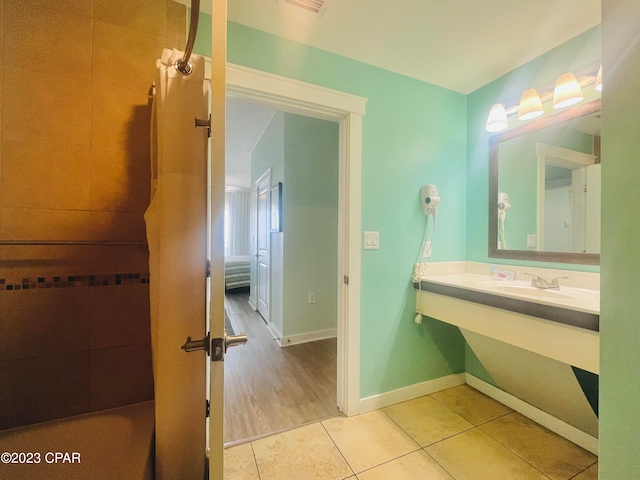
[72,281]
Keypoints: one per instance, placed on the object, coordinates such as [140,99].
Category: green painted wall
[581,51]
[202,45]
[413,133]
[302,153]
[620,323]
[310,224]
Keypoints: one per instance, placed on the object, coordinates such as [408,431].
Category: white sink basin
[523,290]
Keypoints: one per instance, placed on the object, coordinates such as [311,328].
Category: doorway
[305,99]
[288,368]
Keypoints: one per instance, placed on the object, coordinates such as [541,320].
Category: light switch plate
[531,240]
[371,240]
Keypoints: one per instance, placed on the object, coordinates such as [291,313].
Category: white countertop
[580,299]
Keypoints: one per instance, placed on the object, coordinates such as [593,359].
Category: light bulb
[599,80]
[497,120]
[567,91]
[530,105]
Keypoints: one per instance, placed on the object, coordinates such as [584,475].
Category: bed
[236,272]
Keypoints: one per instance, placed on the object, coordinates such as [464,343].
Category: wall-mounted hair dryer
[429,200]
[503,207]
[503,203]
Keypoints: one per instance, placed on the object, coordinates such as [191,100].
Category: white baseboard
[307,337]
[382,400]
[554,424]
[274,332]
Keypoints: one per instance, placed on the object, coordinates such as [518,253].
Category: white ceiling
[246,123]
[456,44]
[460,45]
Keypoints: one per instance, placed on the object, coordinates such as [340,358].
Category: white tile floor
[456,434]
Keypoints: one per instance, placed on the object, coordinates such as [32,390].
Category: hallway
[269,389]
[455,434]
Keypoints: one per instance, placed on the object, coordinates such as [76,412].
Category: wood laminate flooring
[269,388]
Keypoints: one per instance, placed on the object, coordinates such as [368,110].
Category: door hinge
[346,279]
[208,408]
[208,268]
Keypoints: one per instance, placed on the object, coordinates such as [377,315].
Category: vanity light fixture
[497,120]
[567,91]
[598,86]
[530,105]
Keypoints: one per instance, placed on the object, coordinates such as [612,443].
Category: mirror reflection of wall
[552,176]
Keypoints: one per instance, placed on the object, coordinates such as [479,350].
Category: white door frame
[293,96]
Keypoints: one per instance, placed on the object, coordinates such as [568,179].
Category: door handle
[218,346]
[195,345]
[235,340]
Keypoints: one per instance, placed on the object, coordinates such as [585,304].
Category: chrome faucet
[539,282]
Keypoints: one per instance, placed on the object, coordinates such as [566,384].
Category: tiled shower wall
[74,165]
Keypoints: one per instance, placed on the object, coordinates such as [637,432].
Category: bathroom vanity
[539,345]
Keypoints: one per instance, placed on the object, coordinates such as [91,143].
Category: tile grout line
[255,461]
[511,451]
[338,448]
[424,449]
[582,471]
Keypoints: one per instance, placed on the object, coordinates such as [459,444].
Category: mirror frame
[494,141]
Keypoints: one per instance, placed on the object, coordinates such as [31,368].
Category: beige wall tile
[176,25]
[119,316]
[76,7]
[120,180]
[120,118]
[120,376]
[41,322]
[37,389]
[117,226]
[21,262]
[45,175]
[39,224]
[31,33]
[56,108]
[124,57]
[1,32]
[143,15]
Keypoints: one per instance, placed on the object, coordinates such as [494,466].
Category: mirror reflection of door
[564,201]
[263,185]
[557,210]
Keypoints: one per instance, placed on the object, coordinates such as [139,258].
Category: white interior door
[262,244]
[557,219]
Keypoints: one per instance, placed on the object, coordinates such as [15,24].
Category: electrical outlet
[312,297]
[531,240]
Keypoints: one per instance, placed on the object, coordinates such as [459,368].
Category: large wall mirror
[544,189]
